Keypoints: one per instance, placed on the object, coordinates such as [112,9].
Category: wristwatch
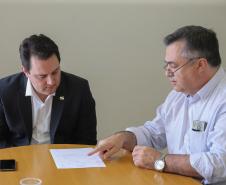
[160,163]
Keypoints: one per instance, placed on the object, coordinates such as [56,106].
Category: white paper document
[76,158]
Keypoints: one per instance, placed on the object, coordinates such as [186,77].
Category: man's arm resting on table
[3,128]
[180,164]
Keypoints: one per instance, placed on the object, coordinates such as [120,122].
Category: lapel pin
[61,97]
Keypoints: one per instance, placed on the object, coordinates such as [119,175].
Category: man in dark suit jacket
[70,117]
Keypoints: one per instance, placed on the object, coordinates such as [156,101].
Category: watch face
[159,165]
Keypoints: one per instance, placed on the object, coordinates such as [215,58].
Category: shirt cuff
[140,136]
[199,162]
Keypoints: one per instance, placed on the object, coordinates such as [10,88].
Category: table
[36,161]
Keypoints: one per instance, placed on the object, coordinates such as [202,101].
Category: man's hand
[109,146]
[145,157]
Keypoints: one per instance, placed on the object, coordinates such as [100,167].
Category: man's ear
[203,64]
[25,71]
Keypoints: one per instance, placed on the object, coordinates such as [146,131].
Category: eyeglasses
[172,65]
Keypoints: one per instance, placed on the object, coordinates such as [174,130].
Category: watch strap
[162,157]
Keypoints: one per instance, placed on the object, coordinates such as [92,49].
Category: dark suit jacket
[73,116]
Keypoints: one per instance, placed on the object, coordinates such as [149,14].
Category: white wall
[116,46]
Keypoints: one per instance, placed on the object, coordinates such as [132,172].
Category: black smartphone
[7,165]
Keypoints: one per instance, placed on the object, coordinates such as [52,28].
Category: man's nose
[50,80]
[169,73]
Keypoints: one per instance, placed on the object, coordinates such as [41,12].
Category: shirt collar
[29,88]
[211,84]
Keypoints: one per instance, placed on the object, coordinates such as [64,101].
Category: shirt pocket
[197,141]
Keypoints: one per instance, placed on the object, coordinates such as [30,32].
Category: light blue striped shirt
[172,128]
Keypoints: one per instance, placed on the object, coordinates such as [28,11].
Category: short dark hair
[199,41]
[40,46]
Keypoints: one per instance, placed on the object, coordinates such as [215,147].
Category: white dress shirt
[173,124]
[41,115]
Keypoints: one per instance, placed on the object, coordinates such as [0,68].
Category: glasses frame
[178,68]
